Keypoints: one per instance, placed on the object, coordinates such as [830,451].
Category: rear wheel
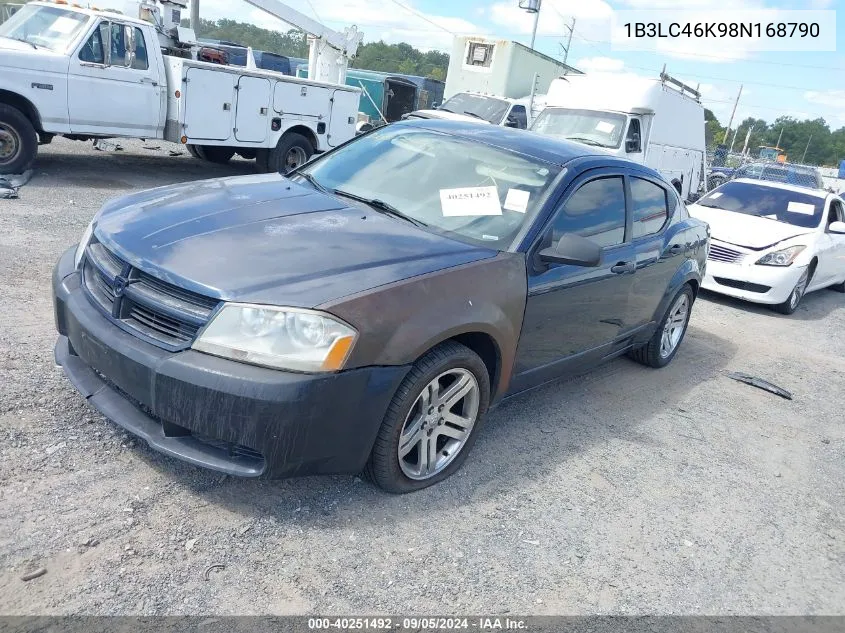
[18,141]
[666,341]
[193,150]
[293,150]
[791,304]
[432,421]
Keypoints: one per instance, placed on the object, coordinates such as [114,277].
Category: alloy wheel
[676,323]
[439,424]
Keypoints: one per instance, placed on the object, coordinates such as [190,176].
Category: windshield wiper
[380,206]
[587,141]
[473,114]
[309,178]
[20,39]
[442,109]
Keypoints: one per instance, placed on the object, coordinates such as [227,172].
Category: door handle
[147,80]
[623,267]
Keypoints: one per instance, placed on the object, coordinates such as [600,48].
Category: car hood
[748,231]
[18,56]
[266,239]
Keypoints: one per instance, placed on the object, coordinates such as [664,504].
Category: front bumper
[761,284]
[216,413]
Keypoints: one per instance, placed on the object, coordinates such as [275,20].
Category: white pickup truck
[88,74]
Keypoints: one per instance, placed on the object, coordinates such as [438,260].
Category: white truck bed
[229,105]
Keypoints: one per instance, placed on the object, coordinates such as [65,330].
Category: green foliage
[825,147]
[399,58]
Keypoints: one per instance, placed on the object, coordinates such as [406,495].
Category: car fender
[487,296]
[690,270]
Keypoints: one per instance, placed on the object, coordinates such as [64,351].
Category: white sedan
[772,243]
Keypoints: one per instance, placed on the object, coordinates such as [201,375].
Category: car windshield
[52,28]
[468,190]
[487,108]
[603,129]
[772,203]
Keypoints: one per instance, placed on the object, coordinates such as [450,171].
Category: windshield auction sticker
[728,33]
[470,201]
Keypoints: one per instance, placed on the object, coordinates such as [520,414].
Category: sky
[798,84]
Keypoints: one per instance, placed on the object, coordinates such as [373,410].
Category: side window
[519,117]
[141,60]
[633,142]
[118,45]
[835,214]
[93,51]
[650,207]
[595,211]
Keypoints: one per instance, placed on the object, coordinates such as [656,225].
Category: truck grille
[722,254]
[159,312]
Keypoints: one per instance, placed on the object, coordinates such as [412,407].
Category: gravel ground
[624,491]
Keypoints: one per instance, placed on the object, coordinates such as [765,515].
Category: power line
[422,16]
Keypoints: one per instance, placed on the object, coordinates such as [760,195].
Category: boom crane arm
[330,51]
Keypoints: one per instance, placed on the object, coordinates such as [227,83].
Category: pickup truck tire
[424,415]
[293,150]
[670,332]
[193,150]
[18,141]
[215,154]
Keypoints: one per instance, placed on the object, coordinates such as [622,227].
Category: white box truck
[656,122]
[88,74]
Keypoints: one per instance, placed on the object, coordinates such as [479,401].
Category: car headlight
[83,244]
[281,338]
[783,257]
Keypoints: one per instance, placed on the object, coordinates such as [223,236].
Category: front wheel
[432,421]
[791,304]
[18,141]
[666,341]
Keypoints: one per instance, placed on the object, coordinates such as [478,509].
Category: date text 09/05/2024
[415,624]
[721,29]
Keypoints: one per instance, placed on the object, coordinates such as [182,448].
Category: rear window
[780,205]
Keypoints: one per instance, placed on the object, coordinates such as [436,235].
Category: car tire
[18,141]
[415,415]
[293,150]
[791,304]
[194,151]
[670,333]
[215,154]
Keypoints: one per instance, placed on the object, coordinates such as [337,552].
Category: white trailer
[89,74]
[656,122]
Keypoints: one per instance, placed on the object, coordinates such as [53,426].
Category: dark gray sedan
[366,312]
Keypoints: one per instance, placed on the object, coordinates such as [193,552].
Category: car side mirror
[632,145]
[574,250]
[837,227]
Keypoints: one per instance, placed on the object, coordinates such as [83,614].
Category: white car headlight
[83,244]
[783,257]
[281,338]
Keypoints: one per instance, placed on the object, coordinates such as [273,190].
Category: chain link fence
[723,166]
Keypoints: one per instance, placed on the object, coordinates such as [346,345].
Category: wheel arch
[302,130]
[24,105]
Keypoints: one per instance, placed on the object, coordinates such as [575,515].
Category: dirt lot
[623,491]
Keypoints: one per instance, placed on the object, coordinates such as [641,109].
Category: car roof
[808,191]
[546,148]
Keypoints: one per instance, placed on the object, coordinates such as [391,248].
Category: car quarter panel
[400,322]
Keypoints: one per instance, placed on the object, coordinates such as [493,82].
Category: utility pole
[733,140]
[571,28]
[747,137]
[195,16]
[780,136]
[806,148]
[532,6]
[733,112]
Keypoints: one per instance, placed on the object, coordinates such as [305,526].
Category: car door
[112,91]
[574,315]
[831,248]
[657,248]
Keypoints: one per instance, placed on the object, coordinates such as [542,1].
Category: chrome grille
[163,314]
[723,254]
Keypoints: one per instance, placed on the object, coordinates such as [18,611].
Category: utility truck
[90,74]
[655,122]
